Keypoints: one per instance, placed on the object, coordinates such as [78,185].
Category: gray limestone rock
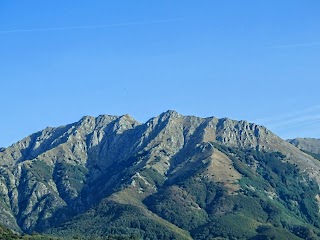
[60,172]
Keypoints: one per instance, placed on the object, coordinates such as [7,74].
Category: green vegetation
[269,232]
[41,171]
[178,207]
[6,234]
[75,174]
[275,200]
[72,175]
[152,176]
[292,203]
[111,218]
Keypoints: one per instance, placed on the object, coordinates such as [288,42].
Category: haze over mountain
[173,177]
[307,144]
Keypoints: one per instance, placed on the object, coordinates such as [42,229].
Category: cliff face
[71,171]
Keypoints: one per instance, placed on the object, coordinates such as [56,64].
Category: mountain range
[172,177]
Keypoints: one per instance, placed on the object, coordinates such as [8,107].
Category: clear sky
[251,60]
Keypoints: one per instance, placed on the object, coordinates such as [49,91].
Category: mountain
[310,146]
[173,177]
[7,234]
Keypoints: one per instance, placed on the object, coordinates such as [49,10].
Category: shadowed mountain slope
[173,177]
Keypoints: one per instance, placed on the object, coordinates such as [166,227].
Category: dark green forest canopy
[206,210]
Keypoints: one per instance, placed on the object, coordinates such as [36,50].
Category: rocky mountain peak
[115,157]
[170,114]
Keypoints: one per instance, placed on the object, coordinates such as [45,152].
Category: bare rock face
[311,145]
[57,173]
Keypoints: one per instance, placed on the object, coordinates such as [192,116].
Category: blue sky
[252,60]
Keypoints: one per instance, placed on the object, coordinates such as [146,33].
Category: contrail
[312,124]
[292,123]
[306,118]
[291,115]
[88,26]
[303,129]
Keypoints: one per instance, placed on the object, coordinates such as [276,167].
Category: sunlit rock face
[55,174]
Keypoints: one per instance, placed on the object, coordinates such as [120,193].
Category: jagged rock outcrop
[51,176]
